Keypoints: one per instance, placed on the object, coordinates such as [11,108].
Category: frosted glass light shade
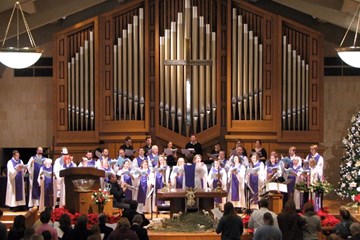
[350,55]
[19,57]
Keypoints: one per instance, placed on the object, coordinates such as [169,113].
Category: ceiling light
[19,57]
[351,55]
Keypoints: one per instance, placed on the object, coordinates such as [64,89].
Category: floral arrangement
[327,220]
[302,187]
[321,187]
[100,197]
[92,218]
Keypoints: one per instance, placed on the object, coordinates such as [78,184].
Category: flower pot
[100,208]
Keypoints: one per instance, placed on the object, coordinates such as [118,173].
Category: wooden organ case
[222,69]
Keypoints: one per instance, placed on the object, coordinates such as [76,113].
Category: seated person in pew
[117,190]
[132,211]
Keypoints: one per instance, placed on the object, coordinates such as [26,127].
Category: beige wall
[26,106]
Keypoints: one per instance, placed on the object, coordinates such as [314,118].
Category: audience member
[28,234]
[230,225]
[136,227]
[80,230]
[64,225]
[46,235]
[45,219]
[123,231]
[313,223]
[256,218]
[342,229]
[18,229]
[103,228]
[355,231]
[290,222]
[268,230]
[38,222]
[95,233]
[3,229]
[130,213]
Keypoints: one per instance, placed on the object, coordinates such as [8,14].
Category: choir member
[200,173]
[144,184]
[292,154]
[292,175]
[161,177]
[57,167]
[239,151]
[34,165]
[139,159]
[318,158]
[153,156]
[217,149]
[260,151]
[273,170]
[127,146]
[239,143]
[88,160]
[315,177]
[170,152]
[148,145]
[236,178]
[15,193]
[68,163]
[121,158]
[217,178]
[193,146]
[255,177]
[46,180]
[126,177]
[222,159]
[177,174]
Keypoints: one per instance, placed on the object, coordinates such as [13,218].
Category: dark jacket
[105,230]
[130,213]
[291,225]
[140,232]
[230,227]
[122,234]
[78,233]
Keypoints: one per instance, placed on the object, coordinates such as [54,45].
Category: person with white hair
[34,165]
[153,157]
[47,183]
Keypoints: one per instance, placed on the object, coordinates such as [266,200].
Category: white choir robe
[166,183]
[319,164]
[42,199]
[149,185]
[62,202]
[240,176]
[175,172]
[212,176]
[57,167]
[201,174]
[10,191]
[297,192]
[135,163]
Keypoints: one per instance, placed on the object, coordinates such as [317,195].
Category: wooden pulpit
[275,202]
[75,199]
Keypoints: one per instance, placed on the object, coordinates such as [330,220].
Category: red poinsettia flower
[357,198]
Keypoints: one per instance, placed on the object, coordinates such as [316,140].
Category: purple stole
[47,187]
[189,172]
[179,181]
[234,188]
[254,183]
[139,160]
[291,185]
[18,182]
[35,187]
[70,166]
[214,183]
[271,166]
[142,189]
[159,184]
[223,163]
[155,158]
[317,157]
[128,192]
[92,163]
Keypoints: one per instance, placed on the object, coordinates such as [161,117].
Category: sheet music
[217,213]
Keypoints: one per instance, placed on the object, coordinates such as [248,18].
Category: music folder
[274,186]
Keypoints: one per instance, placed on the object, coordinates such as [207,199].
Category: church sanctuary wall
[26,105]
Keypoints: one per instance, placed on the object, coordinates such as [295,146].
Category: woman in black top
[18,229]
[290,222]
[260,151]
[230,225]
[65,225]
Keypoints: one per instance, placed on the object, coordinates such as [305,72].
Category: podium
[275,202]
[78,200]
